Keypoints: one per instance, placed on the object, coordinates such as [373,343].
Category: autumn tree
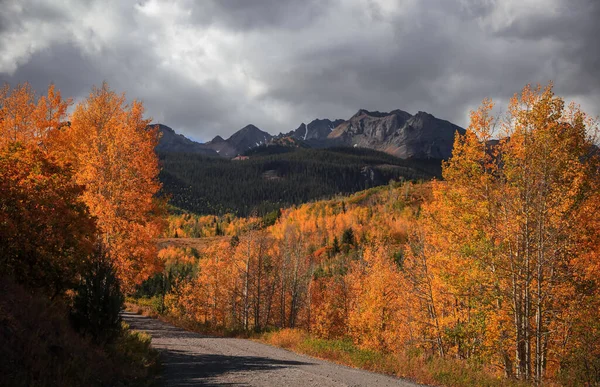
[30,119]
[253,262]
[329,305]
[207,297]
[423,294]
[505,226]
[47,233]
[112,151]
[375,316]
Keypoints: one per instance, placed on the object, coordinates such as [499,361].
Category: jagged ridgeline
[315,161]
[271,177]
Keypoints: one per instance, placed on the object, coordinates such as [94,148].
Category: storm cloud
[211,67]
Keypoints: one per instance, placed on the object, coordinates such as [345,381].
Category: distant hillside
[279,176]
[244,139]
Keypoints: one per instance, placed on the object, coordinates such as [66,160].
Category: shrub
[98,302]
[132,351]
[39,347]
[286,338]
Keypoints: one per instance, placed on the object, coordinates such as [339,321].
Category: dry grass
[285,338]
[432,371]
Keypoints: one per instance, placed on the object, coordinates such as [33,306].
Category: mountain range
[419,136]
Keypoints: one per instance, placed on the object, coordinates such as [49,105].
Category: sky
[211,67]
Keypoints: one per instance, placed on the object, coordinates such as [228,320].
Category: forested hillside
[277,176]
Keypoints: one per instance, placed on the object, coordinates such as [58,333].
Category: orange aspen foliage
[197,226]
[17,114]
[330,298]
[504,231]
[50,115]
[376,307]
[292,275]
[46,230]
[171,255]
[112,151]
[27,119]
[206,298]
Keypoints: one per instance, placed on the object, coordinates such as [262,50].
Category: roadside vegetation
[78,222]
[409,365]
[40,347]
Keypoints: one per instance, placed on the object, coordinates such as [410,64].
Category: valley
[407,266]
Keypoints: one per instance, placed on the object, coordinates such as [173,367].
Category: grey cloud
[15,13]
[414,71]
[63,65]
[244,15]
[275,63]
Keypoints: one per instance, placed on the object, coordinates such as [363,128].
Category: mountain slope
[248,137]
[317,129]
[276,176]
[174,142]
[399,133]
[222,147]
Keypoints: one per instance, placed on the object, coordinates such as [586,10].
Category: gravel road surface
[192,359]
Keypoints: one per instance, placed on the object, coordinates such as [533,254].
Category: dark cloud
[210,67]
[63,65]
[244,15]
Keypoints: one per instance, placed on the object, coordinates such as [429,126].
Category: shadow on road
[185,367]
[195,369]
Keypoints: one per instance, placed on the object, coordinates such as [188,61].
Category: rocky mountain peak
[170,141]
[217,139]
[365,112]
[316,130]
[399,133]
[248,129]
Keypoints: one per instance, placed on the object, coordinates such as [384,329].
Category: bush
[286,338]
[39,347]
[132,351]
[581,364]
[98,302]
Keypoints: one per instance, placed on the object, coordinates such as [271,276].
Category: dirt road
[191,359]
